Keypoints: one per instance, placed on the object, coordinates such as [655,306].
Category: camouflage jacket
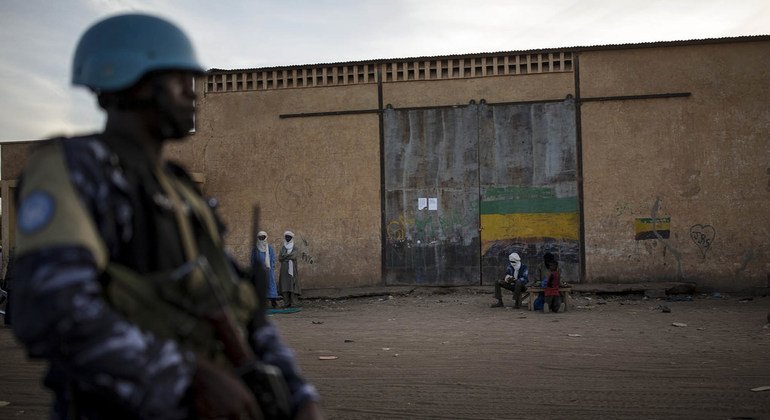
[81,206]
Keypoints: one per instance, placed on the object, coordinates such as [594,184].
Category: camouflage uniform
[88,204]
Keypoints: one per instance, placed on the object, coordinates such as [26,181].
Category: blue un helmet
[116,52]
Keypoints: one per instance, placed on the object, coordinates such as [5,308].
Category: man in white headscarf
[288,280]
[263,254]
[516,277]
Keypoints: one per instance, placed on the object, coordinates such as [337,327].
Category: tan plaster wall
[318,177]
[14,156]
[703,160]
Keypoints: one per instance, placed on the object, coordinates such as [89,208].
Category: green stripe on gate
[538,205]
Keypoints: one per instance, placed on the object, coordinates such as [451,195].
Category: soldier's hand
[220,394]
[309,411]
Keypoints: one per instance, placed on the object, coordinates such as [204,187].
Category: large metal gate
[467,185]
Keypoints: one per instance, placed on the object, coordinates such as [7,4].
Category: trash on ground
[327,357]
[679,324]
[761,388]
[4,403]
[348,340]
[574,335]
[317,322]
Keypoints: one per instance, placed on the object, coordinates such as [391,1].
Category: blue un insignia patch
[35,212]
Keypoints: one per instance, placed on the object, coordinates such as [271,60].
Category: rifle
[265,381]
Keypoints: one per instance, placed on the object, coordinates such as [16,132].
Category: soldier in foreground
[123,282]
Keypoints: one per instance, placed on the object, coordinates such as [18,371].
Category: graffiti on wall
[652,228]
[428,227]
[622,208]
[306,254]
[703,236]
[398,228]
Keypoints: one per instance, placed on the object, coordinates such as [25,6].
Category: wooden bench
[565,292]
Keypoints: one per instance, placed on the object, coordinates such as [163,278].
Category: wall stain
[291,192]
[691,185]
[747,258]
[768,184]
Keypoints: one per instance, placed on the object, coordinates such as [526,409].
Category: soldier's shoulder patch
[35,211]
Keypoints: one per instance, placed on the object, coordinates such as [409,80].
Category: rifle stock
[265,381]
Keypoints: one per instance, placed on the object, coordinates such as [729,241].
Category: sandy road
[449,356]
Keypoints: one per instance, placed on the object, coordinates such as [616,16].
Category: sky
[38,38]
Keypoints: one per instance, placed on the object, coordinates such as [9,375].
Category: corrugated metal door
[509,169]
[528,186]
[431,196]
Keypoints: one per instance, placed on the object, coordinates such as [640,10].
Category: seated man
[516,276]
[542,271]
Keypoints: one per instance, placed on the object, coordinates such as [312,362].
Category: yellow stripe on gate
[497,227]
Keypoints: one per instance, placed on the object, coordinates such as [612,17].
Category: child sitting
[552,294]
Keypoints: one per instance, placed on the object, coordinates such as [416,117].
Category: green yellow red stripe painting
[527,213]
[646,228]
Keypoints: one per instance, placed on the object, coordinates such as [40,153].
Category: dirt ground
[449,356]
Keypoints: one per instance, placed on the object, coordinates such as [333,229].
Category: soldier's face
[175,99]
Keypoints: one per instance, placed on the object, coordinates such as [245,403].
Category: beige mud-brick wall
[318,177]
[14,156]
[703,161]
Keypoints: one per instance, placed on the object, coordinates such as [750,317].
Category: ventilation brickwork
[362,73]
